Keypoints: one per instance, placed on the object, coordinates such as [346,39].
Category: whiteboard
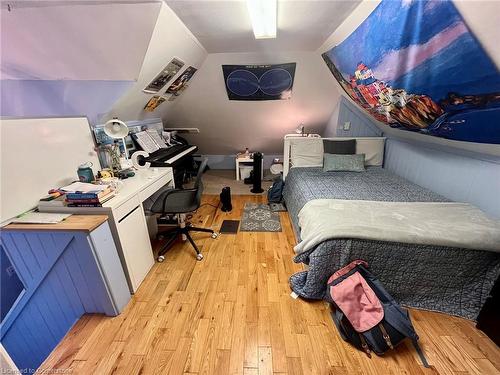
[38,154]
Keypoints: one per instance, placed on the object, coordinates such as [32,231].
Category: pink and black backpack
[366,315]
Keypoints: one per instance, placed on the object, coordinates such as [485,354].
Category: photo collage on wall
[174,90]
[416,66]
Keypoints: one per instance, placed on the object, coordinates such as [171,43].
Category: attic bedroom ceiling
[224,26]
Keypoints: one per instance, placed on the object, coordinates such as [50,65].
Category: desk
[127,220]
[66,269]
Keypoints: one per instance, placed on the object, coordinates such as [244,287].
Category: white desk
[127,220]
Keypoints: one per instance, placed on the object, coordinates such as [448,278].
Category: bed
[446,279]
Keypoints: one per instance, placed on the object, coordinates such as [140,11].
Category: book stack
[89,198]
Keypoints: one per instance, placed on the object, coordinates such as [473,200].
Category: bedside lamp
[300,130]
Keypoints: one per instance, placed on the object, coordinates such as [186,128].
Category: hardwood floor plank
[265,360]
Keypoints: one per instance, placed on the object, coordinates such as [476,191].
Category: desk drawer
[121,211]
[155,186]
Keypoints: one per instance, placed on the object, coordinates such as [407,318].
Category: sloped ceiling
[170,38]
[66,58]
[75,40]
[224,26]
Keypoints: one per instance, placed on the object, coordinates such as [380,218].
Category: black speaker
[225,199]
[257,173]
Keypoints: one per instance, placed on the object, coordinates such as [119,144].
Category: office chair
[179,202]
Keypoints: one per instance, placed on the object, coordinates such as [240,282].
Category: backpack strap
[364,345]
[337,316]
[385,335]
[420,353]
[403,325]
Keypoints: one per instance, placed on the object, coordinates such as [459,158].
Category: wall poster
[415,65]
[164,76]
[259,82]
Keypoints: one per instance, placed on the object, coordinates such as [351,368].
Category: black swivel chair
[178,202]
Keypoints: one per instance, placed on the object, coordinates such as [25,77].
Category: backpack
[366,315]
[275,192]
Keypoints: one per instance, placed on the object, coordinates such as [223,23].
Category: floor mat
[229,226]
[259,218]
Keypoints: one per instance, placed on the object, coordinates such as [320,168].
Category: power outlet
[347,125]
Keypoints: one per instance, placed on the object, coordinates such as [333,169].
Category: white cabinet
[136,247]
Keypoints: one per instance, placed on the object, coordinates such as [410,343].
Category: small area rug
[259,218]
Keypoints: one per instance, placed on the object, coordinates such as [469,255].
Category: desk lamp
[117,129]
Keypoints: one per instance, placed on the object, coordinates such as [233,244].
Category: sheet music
[156,137]
[146,142]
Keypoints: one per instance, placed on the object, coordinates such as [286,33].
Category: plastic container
[245,171]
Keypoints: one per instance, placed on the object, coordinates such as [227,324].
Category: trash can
[245,171]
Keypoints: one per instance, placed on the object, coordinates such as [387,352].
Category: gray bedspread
[446,279]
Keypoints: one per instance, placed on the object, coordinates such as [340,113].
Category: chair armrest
[174,192]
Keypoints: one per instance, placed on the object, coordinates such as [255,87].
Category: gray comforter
[447,279]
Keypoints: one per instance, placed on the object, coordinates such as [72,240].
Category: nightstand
[246,160]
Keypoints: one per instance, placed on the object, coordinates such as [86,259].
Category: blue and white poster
[259,82]
[415,65]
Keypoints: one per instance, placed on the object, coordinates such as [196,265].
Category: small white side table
[247,161]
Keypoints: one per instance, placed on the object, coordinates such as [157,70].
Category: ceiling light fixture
[263,17]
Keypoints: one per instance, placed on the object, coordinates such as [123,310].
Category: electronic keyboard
[171,156]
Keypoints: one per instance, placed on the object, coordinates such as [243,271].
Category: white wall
[170,39]
[228,126]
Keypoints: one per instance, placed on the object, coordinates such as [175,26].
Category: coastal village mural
[416,66]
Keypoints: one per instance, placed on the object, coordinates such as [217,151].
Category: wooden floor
[232,314]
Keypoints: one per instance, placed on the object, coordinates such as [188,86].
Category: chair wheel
[199,257]
[160,259]
[215,235]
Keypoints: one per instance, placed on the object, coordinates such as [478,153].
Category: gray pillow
[347,147]
[351,163]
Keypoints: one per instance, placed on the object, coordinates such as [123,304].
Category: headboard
[309,150]
[38,154]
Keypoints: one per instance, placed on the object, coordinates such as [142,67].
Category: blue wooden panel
[62,281]
[361,124]
[462,178]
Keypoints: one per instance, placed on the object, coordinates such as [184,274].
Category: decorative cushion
[347,147]
[351,163]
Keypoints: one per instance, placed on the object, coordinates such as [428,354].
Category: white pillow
[307,152]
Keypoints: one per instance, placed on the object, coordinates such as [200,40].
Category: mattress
[451,280]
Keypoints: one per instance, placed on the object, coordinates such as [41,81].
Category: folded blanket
[428,223]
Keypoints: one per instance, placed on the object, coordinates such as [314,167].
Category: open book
[149,140]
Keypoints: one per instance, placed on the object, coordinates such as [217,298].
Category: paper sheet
[41,218]
[83,187]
